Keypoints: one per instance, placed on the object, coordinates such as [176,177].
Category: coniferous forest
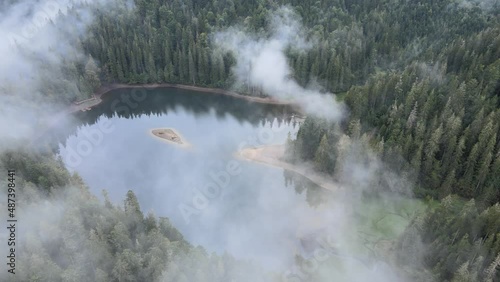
[420,80]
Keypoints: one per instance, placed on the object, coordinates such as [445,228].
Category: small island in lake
[170,135]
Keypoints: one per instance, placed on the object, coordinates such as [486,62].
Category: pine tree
[467,184]
[324,159]
[92,74]
[485,161]
[412,117]
[191,68]
[132,204]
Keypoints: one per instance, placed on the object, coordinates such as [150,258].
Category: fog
[486,5]
[279,219]
[39,39]
[261,62]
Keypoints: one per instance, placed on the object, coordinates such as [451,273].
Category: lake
[218,201]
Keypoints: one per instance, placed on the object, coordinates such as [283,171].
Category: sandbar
[273,155]
[169,135]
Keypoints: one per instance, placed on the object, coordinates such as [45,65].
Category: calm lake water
[216,200]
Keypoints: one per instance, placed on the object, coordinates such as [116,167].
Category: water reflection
[315,195]
[162,101]
[255,213]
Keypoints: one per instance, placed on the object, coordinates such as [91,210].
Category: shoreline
[271,155]
[106,89]
[96,99]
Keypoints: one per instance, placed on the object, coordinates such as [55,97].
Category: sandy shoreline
[272,154]
[103,90]
[181,142]
[219,91]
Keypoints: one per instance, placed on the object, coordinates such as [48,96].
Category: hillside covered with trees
[72,236]
[421,80]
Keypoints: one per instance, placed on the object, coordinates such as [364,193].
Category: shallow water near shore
[224,204]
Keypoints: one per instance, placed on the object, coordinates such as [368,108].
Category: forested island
[420,82]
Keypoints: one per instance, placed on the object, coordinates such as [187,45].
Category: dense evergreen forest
[73,236]
[421,80]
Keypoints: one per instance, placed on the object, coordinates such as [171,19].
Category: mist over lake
[217,200]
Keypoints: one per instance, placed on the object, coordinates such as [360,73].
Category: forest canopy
[420,79]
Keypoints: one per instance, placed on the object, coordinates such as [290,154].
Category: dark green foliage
[457,236]
[432,115]
[442,121]
[310,134]
[422,81]
[43,170]
[69,235]
[171,41]
[448,130]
